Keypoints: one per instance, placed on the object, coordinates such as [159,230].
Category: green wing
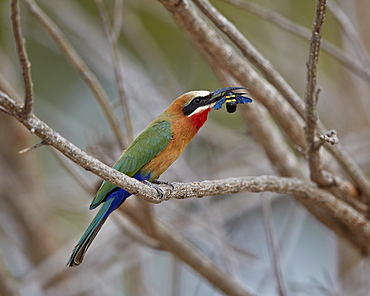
[146,146]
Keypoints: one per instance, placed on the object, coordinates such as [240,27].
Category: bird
[152,152]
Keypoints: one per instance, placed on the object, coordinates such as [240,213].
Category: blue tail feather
[112,202]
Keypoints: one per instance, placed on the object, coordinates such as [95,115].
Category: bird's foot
[157,188]
[163,183]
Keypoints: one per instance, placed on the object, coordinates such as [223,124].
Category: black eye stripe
[194,104]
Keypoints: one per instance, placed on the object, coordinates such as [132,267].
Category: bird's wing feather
[146,146]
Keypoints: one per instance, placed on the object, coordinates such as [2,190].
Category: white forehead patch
[198,93]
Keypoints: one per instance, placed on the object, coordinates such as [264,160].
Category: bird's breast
[183,131]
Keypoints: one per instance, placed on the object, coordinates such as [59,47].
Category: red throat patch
[200,118]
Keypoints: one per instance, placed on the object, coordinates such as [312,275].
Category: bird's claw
[163,183]
[159,190]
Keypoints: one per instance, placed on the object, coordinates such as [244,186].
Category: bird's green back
[146,146]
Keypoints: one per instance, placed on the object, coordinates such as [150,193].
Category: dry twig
[22,56]
[28,149]
[311,97]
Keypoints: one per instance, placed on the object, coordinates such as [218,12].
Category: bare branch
[112,37]
[302,32]
[84,71]
[311,96]
[22,56]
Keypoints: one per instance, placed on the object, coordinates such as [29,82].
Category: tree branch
[22,56]
[311,97]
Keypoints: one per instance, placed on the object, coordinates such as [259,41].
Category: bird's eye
[197,100]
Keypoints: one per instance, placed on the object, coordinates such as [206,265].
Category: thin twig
[311,97]
[84,71]
[116,62]
[273,244]
[302,32]
[28,149]
[22,56]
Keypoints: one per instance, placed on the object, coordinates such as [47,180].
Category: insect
[232,99]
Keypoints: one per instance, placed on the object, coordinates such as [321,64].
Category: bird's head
[196,105]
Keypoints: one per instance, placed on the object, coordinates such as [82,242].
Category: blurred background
[44,209]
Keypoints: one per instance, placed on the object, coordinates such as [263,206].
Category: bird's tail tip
[77,255]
